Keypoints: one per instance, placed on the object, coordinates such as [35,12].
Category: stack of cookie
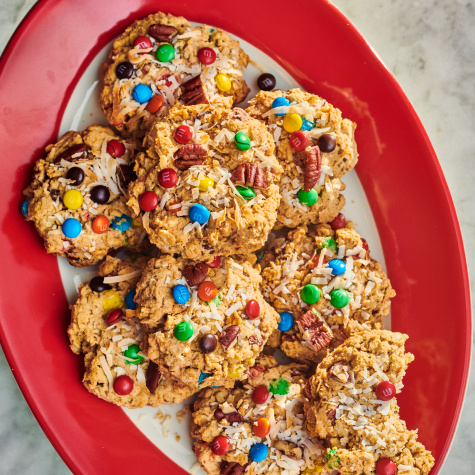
[194,190]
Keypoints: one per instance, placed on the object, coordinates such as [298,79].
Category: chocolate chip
[97,284]
[208,343]
[266,82]
[128,174]
[326,143]
[76,174]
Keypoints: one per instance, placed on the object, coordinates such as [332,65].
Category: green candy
[331,459]
[242,141]
[339,298]
[165,53]
[216,300]
[279,386]
[183,331]
[310,294]
[246,193]
[308,198]
[329,243]
[133,352]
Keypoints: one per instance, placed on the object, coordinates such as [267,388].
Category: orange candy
[261,427]
[155,103]
[100,224]
[207,291]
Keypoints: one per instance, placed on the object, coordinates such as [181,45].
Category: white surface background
[429,45]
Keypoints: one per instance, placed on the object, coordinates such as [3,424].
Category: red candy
[115,148]
[253,309]
[385,467]
[365,244]
[183,134]
[216,262]
[148,201]
[206,56]
[385,390]
[260,394]
[114,317]
[339,222]
[298,141]
[167,178]
[143,42]
[123,385]
[172,206]
[220,445]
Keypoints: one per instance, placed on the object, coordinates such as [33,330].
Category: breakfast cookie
[77,197]
[325,286]
[353,406]
[315,146]
[161,60]
[207,185]
[206,324]
[259,427]
[104,327]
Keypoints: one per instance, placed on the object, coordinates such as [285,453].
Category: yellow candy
[223,82]
[112,300]
[137,223]
[234,374]
[277,227]
[205,183]
[292,123]
[72,199]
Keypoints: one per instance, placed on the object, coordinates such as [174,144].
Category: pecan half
[192,92]
[314,330]
[231,468]
[240,114]
[69,153]
[255,340]
[188,155]
[128,174]
[339,372]
[250,174]
[153,376]
[229,335]
[195,274]
[231,417]
[331,413]
[313,168]
[162,33]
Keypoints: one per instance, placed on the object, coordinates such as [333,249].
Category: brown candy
[69,152]
[314,329]
[250,174]
[193,92]
[162,33]
[195,274]
[188,155]
[153,376]
[313,168]
[229,335]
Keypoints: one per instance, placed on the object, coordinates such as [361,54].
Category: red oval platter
[398,168]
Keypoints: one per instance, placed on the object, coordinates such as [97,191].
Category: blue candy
[121,223]
[203,376]
[181,294]
[306,124]
[337,266]
[258,452]
[286,322]
[278,102]
[199,214]
[129,300]
[71,228]
[24,208]
[142,93]
[259,255]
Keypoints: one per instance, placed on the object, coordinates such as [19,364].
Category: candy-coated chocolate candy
[223,83]
[181,294]
[208,343]
[114,316]
[71,228]
[258,452]
[260,394]
[143,42]
[205,183]
[339,298]
[207,55]
[385,390]
[123,385]
[112,300]
[183,134]
[385,467]
[306,124]
[214,263]
[24,208]
[124,70]
[76,174]
[100,224]
[100,194]
[220,445]
[337,266]
[364,244]
[234,374]
[266,82]
[148,201]
[286,322]
[142,93]
[310,294]
[253,309]
[129,300]
[115,148]
[329,243]
[298,141]
[242,141]
[246,192]
[308,198]
[165,53]
[155,103]
[183,331]
[279,386]
[292,122]
[167,178]
[97,284]
[203,376]
[72,199]
[133,352]
[261,427]
[326,143]
[207,291]
[279,102]
[174,206]
[121,223]
[339,222]
[199,214]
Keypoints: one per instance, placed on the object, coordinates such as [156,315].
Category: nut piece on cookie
[352,406]
[76,199]
[161,60]
[213,179]
[316,147]
[104,327]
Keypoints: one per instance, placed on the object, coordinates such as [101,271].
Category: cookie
[162,60]
[207,185]
[257,428]
[104,327]
[206,325]
[316,147]
[328,286]
[353,407]
[77,197]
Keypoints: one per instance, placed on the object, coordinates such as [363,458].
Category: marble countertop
[429,45]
